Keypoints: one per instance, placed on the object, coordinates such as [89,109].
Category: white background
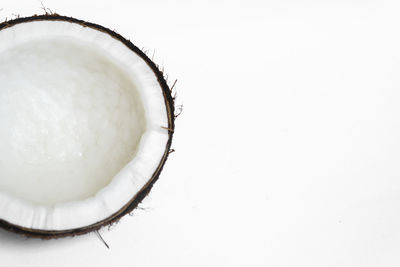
[288,149]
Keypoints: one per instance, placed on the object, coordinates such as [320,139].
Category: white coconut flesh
[81,119]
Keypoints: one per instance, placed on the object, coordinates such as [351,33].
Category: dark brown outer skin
[136,199]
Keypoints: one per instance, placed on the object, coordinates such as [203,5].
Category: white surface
[75,149]
[287,150]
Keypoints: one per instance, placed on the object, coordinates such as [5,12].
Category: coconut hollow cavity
[86,124]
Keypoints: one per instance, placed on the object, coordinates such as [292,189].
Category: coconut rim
[144,191]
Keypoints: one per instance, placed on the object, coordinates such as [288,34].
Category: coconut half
[86,124]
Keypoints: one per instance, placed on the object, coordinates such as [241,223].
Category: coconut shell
[136,199]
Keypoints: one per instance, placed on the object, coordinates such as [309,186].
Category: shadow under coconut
[18,240]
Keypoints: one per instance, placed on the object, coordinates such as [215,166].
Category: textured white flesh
[70,119]
[81,120]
